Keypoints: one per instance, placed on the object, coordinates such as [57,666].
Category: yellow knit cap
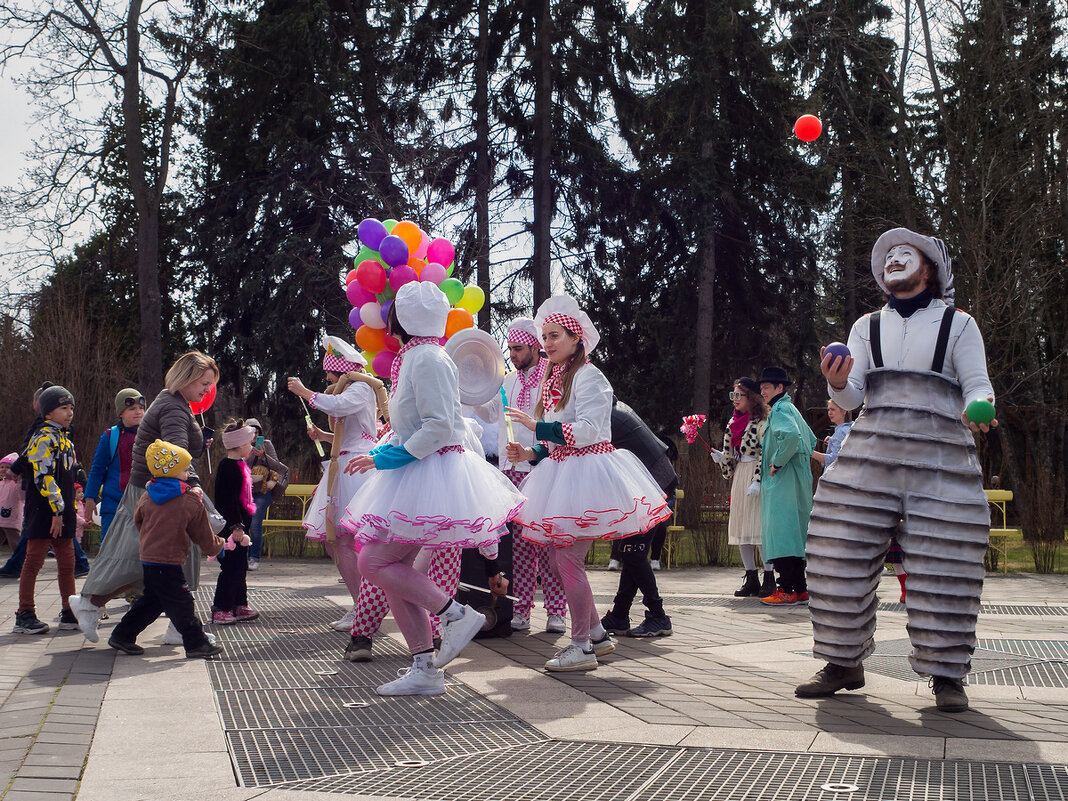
[166,460]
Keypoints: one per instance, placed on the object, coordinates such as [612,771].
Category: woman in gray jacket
[117,568]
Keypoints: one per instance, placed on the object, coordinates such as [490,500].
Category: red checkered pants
[530,560]
[441,565]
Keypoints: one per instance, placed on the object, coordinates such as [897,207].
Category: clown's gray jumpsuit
[908,467]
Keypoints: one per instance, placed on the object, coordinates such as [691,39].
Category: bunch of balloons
[391,255]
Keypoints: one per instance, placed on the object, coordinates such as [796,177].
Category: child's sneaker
[222,618]
[245,613]
[67,621]
[27,623]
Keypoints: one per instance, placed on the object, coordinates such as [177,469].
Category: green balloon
[389,225]
[365,254]
[453,289]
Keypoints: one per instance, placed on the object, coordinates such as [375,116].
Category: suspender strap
[943,340]
[876,342]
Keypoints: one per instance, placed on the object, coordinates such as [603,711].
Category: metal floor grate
[600,772]
[265,756]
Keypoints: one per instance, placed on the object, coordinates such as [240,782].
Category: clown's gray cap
[932,248]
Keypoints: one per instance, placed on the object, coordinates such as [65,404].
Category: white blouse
[357,405]
[587,415]
[425,408]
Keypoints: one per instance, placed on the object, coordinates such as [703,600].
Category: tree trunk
[146,202]
[706,285]
[543,145]
[482,163]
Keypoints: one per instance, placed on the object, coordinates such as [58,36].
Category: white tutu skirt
[315,517]
[593,496]
[449,499]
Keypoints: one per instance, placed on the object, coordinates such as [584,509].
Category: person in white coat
[530,560]
[426,491]
[581,488]
[908,468]
[353,400]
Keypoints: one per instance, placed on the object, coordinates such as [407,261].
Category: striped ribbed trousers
[908,468]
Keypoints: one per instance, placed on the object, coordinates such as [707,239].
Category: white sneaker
[253,564]
[88,616]
[345,623]
[415,681]
[604,646]
[457,634]
[173,637]
[613,564]
[654,564]
[555,624]
[520,623]
[572,658]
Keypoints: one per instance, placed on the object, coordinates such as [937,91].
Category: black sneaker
[131,648]
[67,621]
[653,626]
[358,649]
[616,624]
[206,651]
[11,574]
[27,623]
[81,573]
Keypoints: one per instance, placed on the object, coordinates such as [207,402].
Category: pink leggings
[442,566]
[569,566]
[343,552]
[412,596]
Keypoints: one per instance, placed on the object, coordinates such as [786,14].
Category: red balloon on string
[202,405]
[808,128]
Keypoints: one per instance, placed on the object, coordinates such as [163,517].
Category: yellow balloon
[473,300]
[368,357]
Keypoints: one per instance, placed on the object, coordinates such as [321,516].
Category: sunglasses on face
[134,402]
[738,396]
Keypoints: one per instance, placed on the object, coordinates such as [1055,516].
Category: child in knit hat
[168,517]
[49,510]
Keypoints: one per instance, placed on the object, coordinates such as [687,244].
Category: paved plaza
[708,713]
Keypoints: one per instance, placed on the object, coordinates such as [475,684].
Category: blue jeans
[255,529]
[13,566]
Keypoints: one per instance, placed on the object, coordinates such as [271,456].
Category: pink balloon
[433,272]
[382,362]
[424,243]
[401,275]
[357,295]
[441,251]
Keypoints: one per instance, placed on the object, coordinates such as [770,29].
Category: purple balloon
[393,250]
[385,310]
[354,317]
[433,272]
[837,349]
[399,276]
[371,232]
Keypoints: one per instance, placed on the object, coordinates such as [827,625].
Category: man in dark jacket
[630,432]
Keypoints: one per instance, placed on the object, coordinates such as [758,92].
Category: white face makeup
[902,264]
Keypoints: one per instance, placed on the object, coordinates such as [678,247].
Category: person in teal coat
[786,489]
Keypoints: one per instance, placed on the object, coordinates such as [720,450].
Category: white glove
[489,551]
[719,457]
[754,488]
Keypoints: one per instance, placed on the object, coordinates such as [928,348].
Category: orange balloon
[372,339]
[458,320]
[417,264]
[409,232]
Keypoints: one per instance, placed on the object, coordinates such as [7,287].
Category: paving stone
[45,785]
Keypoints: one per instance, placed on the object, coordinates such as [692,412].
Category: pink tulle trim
[429,530]
[600,524]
